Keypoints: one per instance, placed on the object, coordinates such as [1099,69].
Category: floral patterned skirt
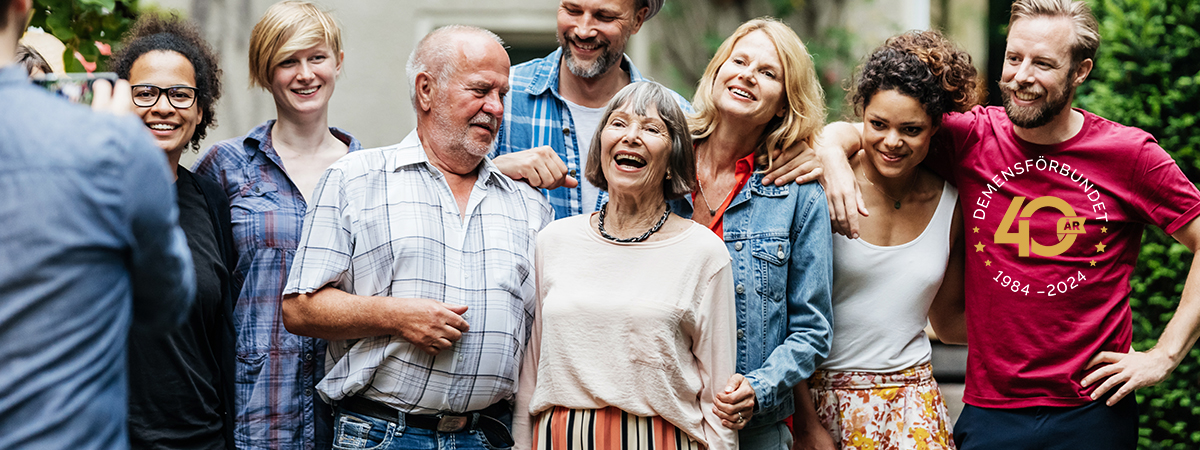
[896,410]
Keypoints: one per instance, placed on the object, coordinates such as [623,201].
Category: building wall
[372,96]
[371,100]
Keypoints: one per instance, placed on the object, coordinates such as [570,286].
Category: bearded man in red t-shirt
[1054,202]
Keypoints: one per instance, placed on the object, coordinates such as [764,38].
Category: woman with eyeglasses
[181,384]
[268,174]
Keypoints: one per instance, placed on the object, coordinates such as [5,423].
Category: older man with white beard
[416,263]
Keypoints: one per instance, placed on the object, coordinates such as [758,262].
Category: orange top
[742,172]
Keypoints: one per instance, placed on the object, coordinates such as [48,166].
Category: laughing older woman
[630,344]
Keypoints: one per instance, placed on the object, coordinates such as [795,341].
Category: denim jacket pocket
[771,255]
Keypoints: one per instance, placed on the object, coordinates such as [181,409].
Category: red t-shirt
[1053,234]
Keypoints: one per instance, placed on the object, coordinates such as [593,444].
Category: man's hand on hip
[1132,371]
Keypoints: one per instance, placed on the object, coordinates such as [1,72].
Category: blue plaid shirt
[536,115]
[276,371]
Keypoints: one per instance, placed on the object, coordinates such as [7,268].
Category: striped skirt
[561,428]
[898,410]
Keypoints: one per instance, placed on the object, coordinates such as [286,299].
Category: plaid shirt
[276,370]
[536,115]
[384,223]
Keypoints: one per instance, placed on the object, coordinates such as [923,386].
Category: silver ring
[740,418]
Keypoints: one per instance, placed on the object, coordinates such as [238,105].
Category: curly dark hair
[923,65]
[172,33]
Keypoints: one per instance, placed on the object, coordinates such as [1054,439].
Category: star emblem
[988,263]
[1100,247]
[976,229]
[979,247]
[1093,263]
[1103,229]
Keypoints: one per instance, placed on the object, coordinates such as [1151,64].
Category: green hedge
[1147,75]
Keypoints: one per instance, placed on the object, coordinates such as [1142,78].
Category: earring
[668,175]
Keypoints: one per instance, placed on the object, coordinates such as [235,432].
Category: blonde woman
[268,174]
[760,95]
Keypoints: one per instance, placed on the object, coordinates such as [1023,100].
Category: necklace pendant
[712,213]
[897,204]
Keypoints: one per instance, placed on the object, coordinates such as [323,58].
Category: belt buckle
[451,424]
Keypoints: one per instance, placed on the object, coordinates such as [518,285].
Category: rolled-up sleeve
[326,242]
[809,306]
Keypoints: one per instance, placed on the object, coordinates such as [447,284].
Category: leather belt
[446,423]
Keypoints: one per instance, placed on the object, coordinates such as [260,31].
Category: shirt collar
[546,73]
[410,152]
[260,139]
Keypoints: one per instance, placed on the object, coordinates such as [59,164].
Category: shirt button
[781,254]
[566,130]
[741,289]
[741,333]
[737,246]
[460,357]
[572,173]
[308,356]
[307,392]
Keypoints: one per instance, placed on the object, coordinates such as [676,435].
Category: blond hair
[286,28]
[1083,23]
[804,100]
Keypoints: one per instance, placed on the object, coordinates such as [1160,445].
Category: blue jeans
[355,431]
[770,437]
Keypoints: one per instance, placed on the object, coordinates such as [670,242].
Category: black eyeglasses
[181,97]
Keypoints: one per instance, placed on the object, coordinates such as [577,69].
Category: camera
[75,87]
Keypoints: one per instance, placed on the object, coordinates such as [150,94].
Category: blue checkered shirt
[536,115]
[276,371]
[385,223]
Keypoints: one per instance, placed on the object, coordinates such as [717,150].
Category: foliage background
[1147,75]
[79,24]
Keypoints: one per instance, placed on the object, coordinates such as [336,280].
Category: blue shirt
[275,371]
[89,243]
[782,249]
[536,115]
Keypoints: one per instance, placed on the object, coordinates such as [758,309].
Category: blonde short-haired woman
[296,55]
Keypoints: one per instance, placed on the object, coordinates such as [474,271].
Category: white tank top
[881,296]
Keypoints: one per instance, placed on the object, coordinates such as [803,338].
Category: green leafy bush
[79,24]
[1147,75]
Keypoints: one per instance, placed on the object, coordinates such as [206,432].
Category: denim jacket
[781,244]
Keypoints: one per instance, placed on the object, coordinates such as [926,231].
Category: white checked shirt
[383,222]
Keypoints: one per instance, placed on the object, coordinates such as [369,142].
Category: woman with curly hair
[876,390]
[181,383]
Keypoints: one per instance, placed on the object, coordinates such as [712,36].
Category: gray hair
[681,163]
[434,55]
[1083,23]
